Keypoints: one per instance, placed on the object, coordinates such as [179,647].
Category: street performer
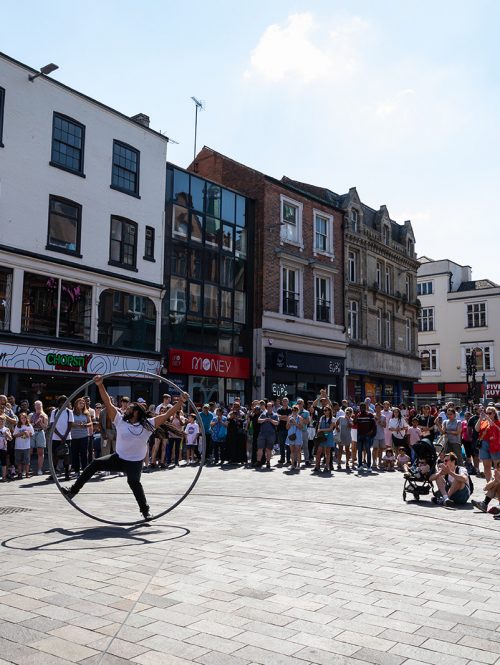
[133,430]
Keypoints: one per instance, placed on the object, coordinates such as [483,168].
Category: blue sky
[398,98]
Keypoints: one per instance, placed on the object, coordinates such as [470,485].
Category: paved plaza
[255,567]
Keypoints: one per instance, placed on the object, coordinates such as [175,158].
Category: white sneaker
[39,472]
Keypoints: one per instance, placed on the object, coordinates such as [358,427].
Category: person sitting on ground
[402,460]
[389,459]
[452,481]
[492,491]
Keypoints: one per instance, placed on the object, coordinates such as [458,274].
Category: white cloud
[304,50]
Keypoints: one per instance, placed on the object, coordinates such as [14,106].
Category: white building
[82,195]
[458,315]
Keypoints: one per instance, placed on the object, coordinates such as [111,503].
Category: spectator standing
[80,436]
[61,438]
[488,427]
[398,428]
[23,432]
[284,413]
[40,421]
[367,428]
[236,449]
[426,422]
[268,421]
[207,417]
[325,440]
[218,427]
[451,429]
[5,437]
[294,437]
[344,425]
[166,403]
[305,417]
[379,439]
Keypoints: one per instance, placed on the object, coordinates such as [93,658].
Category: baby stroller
[415,483]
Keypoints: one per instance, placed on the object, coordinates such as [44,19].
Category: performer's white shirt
[131,439]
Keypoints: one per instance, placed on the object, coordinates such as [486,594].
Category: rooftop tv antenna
[198,106]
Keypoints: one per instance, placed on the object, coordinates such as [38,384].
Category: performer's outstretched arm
[111,409]
[159,420]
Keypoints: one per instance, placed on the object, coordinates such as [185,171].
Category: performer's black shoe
[147,514]
[68,492]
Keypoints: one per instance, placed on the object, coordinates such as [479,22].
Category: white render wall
[27,179]
[451,336]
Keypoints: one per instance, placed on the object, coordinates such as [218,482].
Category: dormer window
[410,247]
[385,234]
[354,220]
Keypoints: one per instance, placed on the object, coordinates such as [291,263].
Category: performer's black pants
[112,462]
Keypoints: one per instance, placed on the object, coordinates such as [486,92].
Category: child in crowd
[402,460]
[5,437]
[389,459]
[414,436]
[192,431]
[22,435]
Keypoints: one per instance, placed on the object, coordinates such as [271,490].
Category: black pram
[416,483]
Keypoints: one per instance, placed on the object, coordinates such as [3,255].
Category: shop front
[378,388]
[209,377]
[36,372]
[294,374]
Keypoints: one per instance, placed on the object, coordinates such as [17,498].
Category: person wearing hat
[141,400]
[207,417]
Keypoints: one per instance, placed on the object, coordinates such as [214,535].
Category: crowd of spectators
[320,436]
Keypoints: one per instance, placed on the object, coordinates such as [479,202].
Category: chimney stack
[141,119]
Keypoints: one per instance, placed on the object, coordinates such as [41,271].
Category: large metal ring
[75,394]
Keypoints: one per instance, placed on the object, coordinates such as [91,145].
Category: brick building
[298,286]
[380,269]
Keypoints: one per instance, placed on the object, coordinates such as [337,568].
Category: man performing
[133,430]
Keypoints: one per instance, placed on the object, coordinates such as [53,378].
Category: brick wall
[266,193]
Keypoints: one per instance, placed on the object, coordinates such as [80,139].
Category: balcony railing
[290,303]
[323,310]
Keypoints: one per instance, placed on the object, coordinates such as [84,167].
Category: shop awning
[425,388]
[455,387]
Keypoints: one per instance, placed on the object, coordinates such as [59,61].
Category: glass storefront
[127,320]
[207,281]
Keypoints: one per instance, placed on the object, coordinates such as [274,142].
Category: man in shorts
[268,422]
[452,481]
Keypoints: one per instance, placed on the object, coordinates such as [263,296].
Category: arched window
[127,320]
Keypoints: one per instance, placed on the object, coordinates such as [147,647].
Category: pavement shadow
[132,536]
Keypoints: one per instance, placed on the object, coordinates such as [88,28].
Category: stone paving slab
[255,568]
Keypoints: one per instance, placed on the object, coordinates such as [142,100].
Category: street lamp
[48,69]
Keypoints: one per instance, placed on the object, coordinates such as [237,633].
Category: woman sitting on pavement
[452,481]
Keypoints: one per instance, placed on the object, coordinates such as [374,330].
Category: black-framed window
[68,144]
[123,243]
[2,104]
[149,244]
[65,220]
[126,320]
[125,171]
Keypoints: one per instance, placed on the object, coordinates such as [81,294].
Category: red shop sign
[208,364]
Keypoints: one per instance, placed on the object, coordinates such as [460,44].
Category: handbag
[320,437]
[292,437]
